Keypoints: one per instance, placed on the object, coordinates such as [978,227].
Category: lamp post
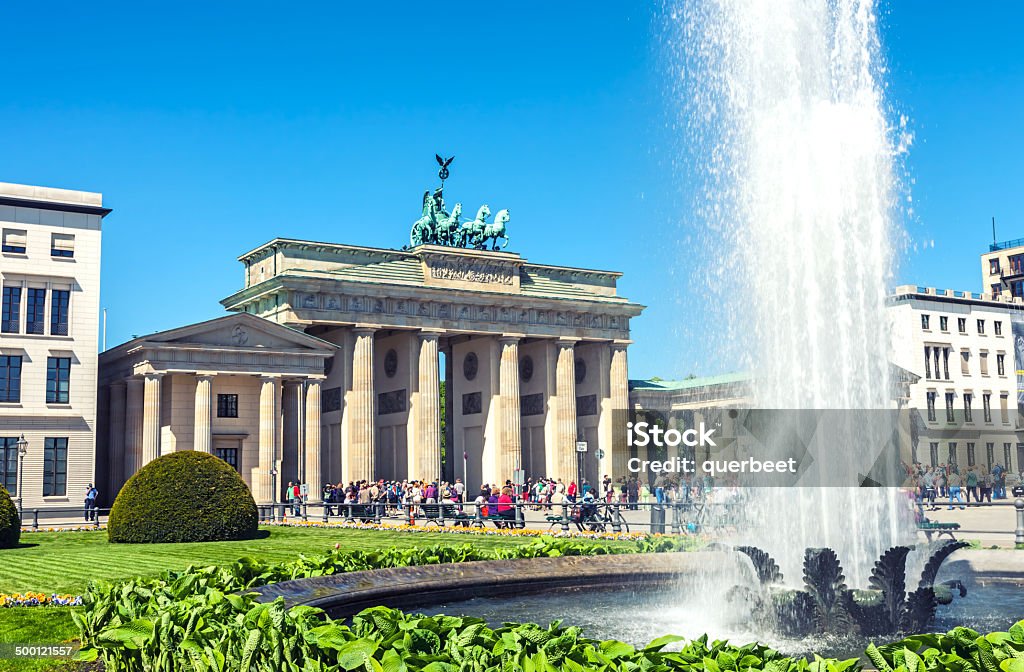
[22,449]
[273,499]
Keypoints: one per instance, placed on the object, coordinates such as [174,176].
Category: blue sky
[212,129]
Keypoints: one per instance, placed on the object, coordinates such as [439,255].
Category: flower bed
[75,528]
[486,531]
[39,600]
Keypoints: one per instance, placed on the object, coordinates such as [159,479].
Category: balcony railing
[1005,245]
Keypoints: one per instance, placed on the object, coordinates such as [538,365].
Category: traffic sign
[581,446]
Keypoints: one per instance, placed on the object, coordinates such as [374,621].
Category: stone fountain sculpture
[827,605]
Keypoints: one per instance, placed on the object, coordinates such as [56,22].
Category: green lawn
[65,562]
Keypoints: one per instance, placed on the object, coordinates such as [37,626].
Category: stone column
[115,437]
[510,448]
[619,380]
[151,418]
[312,439]
[202,428]
[133,426]
[263,486]
[357,460]
[427,448]
[562,456]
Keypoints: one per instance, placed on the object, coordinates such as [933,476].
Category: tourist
[91,494]
[929,488]
[999,481]
[295,497]
[971,481]
[986,481]
[633,493]
[460,491]
[506,511]
[659,489]
[953,483]
[570,494]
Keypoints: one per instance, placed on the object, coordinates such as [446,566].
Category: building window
[993,266]
[227,406]
[981,327]
[1001,364]
[10,379]
[931,407]
[968,414]
[996,291]
[986,402]
[928,363]
[944,323]
[55,467]
[1007,454]
[9,464]
[62,245]
[998,326]
[971,460]
[933,453]
[58,380]
[951,455]
[983,362]
[949,406]
[35,321]
[14,241]
[965,362]
[1017,288]
[1003,411]
[1016,264]
[59,300]
[945,363]
[990,454]
[10,319]
[229,455]
[961,324]
[925,320]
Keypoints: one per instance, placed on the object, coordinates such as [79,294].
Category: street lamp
[273,488]
[22,449]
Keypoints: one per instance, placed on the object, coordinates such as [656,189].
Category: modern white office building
[49,327]
[961,344]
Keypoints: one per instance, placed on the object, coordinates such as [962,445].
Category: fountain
[785,108]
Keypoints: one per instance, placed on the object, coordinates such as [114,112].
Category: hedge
[10,523]
[183,497]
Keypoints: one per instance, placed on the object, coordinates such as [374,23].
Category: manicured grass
[36,625]
[65,562]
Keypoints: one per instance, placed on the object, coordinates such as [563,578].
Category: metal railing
[39,517]
[680,517]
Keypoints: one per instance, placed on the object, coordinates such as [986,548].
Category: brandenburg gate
[328,366]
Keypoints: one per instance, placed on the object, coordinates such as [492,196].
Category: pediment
[241,330]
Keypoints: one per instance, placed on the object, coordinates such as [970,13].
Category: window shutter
[63,242]
[15,237]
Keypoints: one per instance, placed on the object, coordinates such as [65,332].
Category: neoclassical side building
[329,370]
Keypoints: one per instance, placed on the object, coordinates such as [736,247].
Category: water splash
[785,113]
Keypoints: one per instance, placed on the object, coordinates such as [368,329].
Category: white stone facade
[50,275]
[962,346]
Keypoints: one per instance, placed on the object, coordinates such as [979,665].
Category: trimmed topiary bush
[10,524]
[180,497]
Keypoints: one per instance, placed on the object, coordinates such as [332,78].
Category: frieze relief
[462,312]
[487,273]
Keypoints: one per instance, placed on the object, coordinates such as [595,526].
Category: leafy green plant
[959,650]
[180,497]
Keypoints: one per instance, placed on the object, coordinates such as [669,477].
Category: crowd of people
[948,481]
